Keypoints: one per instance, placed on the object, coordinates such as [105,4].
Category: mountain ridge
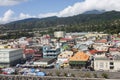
[81,22]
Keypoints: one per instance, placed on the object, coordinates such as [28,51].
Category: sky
[12,10]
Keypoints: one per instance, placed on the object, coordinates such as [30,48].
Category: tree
[104,75]
[95,75]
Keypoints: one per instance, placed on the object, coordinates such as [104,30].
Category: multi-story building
[49,52]
[63,58]
[10,57]
[79,60]
[110,63]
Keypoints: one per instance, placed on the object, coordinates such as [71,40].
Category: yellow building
[79,59]
[63,58]
[95,35]
[3,46]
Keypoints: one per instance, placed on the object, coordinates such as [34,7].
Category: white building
[64,57]
[10,57]
[45,62]
[59,34]
[107,63]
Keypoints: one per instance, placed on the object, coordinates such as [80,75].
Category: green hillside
[106,22]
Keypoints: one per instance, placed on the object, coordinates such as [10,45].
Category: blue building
[49,52]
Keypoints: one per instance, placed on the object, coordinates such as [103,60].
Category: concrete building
[49,52]
[110,63]
[59,34]
[63,58]
[49,62]
[96,35]
[79,60]
[2,46]
[10,57]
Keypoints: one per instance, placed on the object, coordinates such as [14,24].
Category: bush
[50,74]
[65,74]
[104,75]
[95,75]
[73,75]
[88,75]
[58,73]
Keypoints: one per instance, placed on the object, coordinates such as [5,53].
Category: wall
[101,65]
[105,65]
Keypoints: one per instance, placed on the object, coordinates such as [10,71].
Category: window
[111,67]
[111,58]
[96,64]
[111,63]
[106,64]
[101,65]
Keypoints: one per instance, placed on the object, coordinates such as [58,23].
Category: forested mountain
[106,22]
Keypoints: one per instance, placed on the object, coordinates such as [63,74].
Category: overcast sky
[11,10]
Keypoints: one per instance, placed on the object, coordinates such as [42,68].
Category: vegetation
[65,74]
[73,75]
[104,75]
[108,22]
[58,73]
[95,75]
[16,34]
[88,75]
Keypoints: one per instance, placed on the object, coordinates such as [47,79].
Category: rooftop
[7,50]
[44,60]
[102,41]
[80,56]
[108,58]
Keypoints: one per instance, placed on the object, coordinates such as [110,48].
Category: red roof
[67,39]
[29,51]
[37,55]
[102,41]
[113,49]
[93,51]
[47,36]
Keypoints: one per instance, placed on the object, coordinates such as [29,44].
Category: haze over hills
[89,21]
[94,12]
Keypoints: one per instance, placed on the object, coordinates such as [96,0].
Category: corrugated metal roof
[80,56]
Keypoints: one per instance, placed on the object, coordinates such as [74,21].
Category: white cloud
[23,16]
[87,5]
[77,8]
[47,15]
[10,2]
[7,16]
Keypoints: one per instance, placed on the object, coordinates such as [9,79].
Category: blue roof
[40,74]
[32,70]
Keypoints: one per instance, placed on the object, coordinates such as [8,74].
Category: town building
[63,58]
[45,63]
[10,57]
[59,34]
[3,46]
[110,63]
[79,60]
[49,52]
[97,35]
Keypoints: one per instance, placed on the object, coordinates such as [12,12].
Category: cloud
[87,5]
[47,15]
[7,16]
[23,16]
[10,2]
[77,8]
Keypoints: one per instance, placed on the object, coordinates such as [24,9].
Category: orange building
[80,59]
